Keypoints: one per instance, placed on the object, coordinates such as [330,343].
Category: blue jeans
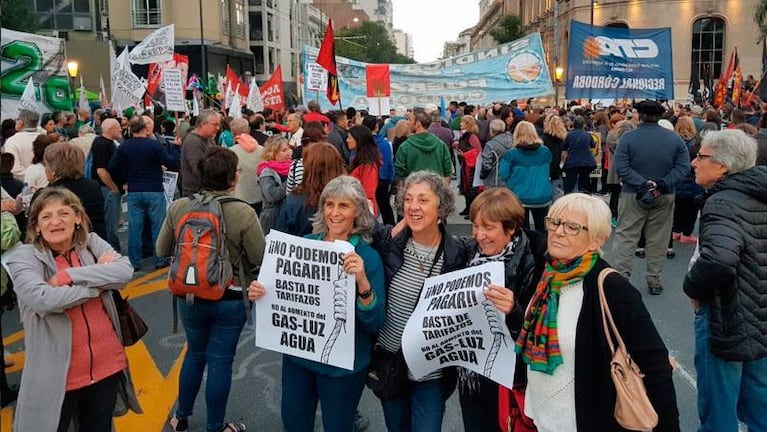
[141,205]
[728,391]
[303,388]
[422,411]
[112,212]
[212,332]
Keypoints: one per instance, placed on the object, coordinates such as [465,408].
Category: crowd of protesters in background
[634,155]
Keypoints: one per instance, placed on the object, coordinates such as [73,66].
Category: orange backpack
[200,266]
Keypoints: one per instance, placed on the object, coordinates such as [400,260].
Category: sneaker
[654,287]
[639,252]
[670,254]
[675,236]
[688,239]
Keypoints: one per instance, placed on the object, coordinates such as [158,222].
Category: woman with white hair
[728,284]
[569,387]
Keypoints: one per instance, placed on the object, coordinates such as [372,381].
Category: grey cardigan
[48,332]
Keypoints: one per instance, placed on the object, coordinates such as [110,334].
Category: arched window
[708,46]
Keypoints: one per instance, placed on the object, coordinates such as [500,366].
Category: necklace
[424,259]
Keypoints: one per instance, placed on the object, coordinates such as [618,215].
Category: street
[255,397]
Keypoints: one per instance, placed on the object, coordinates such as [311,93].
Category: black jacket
[594,389]
[731,274]
[455,255]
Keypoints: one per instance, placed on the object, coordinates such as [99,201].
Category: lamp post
[203,56]
[558,72]
[72,68]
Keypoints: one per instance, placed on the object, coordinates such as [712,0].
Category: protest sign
[308,308]
[516,70]
[156,47]
[27,56]
[174,89]
[317,78]
[169,181]
[609,63]
[455,325]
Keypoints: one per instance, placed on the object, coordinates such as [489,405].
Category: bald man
[102,150]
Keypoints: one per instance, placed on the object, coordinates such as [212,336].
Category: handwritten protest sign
[174,90]
[308,308]
[317,77]
[455,325]
[169,181]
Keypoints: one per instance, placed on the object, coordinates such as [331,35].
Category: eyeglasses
[701,156]
[570,228]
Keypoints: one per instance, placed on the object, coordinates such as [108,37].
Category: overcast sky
[433,22]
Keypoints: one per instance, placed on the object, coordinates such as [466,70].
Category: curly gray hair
[437,184]
[346,187]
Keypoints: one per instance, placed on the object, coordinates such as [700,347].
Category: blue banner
[516,70]
[606,62]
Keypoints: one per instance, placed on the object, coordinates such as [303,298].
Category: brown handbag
[633,409]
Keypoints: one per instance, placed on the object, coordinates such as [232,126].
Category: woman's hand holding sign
[501,297]
[354,265]
[256,290]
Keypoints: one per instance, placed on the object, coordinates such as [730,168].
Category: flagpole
[756,86]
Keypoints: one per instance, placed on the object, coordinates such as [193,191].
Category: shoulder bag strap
[607,316]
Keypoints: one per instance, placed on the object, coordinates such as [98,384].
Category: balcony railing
[147,17]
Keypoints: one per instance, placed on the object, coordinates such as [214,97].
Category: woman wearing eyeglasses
[562,342]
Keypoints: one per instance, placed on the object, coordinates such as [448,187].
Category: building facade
[217,28]
[704,32]
[404,42]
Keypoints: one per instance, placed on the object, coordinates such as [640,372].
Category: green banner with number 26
[27,55]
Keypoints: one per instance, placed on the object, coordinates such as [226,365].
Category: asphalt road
[256,387]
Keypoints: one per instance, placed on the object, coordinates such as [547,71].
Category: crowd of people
[535,183]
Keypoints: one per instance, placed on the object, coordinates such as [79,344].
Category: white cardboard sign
[455,325]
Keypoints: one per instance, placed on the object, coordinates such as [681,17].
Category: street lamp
[72,68]
[558,72]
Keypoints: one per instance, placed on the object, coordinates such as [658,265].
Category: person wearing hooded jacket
[422,151]
[495,148]
[727,283]
[525,169]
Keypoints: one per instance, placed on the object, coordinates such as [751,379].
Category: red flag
[378,80]
[272,91]
[327,59]
[724,77]
[234,80]
[737,81]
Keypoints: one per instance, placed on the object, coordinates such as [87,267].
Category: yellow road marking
[156,393]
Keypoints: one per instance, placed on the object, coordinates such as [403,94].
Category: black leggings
[93,406]
[579,175]
[383,199]
[685,214]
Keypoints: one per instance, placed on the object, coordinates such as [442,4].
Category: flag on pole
[255,100]
[196,102]
[737,81]
[234,80]
[235,108]
[724,78]
[228,97]
[156,47]
[83,104]
[102,92]
[28,100]
[327,59]
[694,88]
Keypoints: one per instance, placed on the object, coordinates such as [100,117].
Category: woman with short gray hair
[727,283]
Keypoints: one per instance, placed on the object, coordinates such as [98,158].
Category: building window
[147,13]
[256,27]
[71,15]
[225,17]
[239,15]
[270,27]
[708,46]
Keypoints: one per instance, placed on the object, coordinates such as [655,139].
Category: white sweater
[550,399]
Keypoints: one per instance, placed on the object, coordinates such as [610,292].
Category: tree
[760,17]
[509,28]
[15,15]
[368,43]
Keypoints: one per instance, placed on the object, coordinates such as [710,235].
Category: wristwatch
[365,294]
